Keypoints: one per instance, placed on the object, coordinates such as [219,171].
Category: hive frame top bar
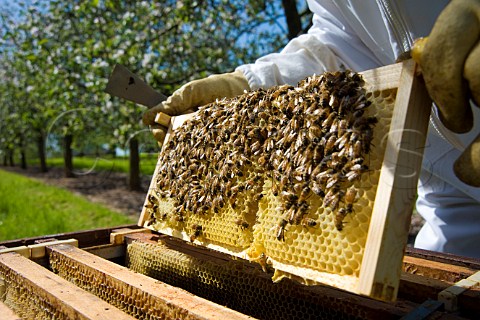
[387,235]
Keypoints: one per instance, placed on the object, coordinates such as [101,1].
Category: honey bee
[317,189]
[289,197]
[150,205]
[262,160]
[333,180]
[342,140]
[330,144]
[333,102]
[328,122]
[262,260]
[314,133]
[197,231]
[323,176]
[255,133]
[339,216]
[342,127]
[332,198]
[280,234]
[344,104]
[305,193]
[337,161]
[321,114]
[355,172]
[357,149]
[242,223]
[367,139]
[292,213]
[232,201]
[218,201]
[350,197]
[364,122]
[308,222]
[317,155]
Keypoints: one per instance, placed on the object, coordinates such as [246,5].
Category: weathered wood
[42,285]
[451,295]
[108,251]
[446,258]
[117,236]
[7,313]
[432,272]
[396,191]
[436,270]
[86,238]
[135,289]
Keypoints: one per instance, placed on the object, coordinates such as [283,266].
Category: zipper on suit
[402,36]
[397,24]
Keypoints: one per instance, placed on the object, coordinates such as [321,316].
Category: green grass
[30,208]
[105,163]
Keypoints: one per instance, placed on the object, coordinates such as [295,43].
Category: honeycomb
[242,286]
[129,299]
[285,177]
[22,297]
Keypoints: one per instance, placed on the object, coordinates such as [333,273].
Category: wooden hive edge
[72,301]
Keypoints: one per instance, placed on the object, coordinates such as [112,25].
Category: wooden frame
[388,230]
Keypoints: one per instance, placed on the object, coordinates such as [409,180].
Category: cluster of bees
[307,140]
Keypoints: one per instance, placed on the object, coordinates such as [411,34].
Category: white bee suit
[366,34]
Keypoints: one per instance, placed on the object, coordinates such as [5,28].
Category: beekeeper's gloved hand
[195,94]
[450,63]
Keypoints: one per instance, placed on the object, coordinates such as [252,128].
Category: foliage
[31,208]
[57,56]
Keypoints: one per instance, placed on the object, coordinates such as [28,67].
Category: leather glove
[195,94]
[450,64]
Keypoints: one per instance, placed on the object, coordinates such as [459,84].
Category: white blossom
[118,54]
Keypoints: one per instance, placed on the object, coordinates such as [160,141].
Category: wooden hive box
[49,276]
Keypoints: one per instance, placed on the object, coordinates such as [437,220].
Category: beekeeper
[361,35]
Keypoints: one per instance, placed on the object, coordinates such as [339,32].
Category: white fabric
[358,35]
[452,218]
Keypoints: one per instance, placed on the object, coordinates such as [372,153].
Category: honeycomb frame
[378,265]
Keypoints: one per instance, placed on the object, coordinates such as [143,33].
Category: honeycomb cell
[273,169]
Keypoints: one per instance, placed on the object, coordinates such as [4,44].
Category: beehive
[237,285]
[286,177]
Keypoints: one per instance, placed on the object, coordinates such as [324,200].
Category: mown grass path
[104,163]
[31,208]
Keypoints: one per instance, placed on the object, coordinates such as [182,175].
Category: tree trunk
[23,159]
[41,152]
[5,160]
[10,158]
[294,22]
[134,171]
[67,156]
